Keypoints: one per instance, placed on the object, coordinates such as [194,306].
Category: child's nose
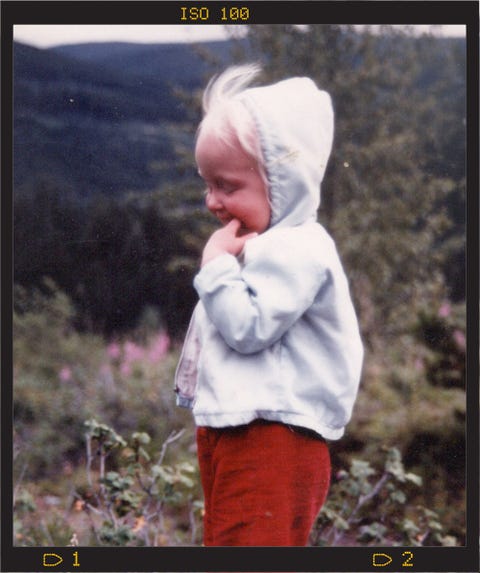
[212,201]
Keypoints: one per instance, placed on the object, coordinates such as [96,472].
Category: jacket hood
[294,120]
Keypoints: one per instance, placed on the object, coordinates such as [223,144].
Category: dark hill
[179,64]
[52,65]
[94,118]
[49,81]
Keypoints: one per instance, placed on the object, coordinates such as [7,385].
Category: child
[272,358]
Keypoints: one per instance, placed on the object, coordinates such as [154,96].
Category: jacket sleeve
[254,305]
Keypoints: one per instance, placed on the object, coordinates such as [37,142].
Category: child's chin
[244,231]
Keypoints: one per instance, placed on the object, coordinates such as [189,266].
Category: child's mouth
[224,220]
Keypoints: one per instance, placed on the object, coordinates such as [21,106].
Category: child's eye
[225,186]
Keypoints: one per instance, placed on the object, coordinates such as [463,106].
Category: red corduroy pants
[263,484]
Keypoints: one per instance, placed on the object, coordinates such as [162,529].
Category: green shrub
[132,504]
[366,508]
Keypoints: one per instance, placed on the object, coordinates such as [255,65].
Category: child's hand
[228,239]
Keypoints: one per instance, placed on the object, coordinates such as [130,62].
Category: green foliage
[130,505]
[62,377]
[143,501]
[443,334]
[107,438]
[113,258]
[52,367]
[31,530]
[43,328]
[371,509]
[426,419]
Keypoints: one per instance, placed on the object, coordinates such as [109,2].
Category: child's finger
[234,226]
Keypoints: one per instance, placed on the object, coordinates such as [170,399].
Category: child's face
[235,188]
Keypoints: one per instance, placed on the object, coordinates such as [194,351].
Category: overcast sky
[44,36]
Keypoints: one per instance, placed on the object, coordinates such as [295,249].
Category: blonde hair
[226,116]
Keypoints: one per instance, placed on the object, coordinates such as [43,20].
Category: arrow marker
[381,559]
[49,560]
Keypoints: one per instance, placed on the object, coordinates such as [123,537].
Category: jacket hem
[288,418]
[184,402]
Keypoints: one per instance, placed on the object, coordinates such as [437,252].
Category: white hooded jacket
[275,335]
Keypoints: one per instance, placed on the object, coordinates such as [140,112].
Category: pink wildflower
[132,352]
[445,310]
[65,374]
[113,350]
[125,369]
[419,364]
[158,348]
[460,339]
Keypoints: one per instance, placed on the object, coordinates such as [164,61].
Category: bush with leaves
[131,495]
[368,509]
[442,333]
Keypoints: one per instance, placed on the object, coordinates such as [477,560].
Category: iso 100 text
[203,14]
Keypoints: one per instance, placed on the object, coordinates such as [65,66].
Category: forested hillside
[110,107]
[109,225]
